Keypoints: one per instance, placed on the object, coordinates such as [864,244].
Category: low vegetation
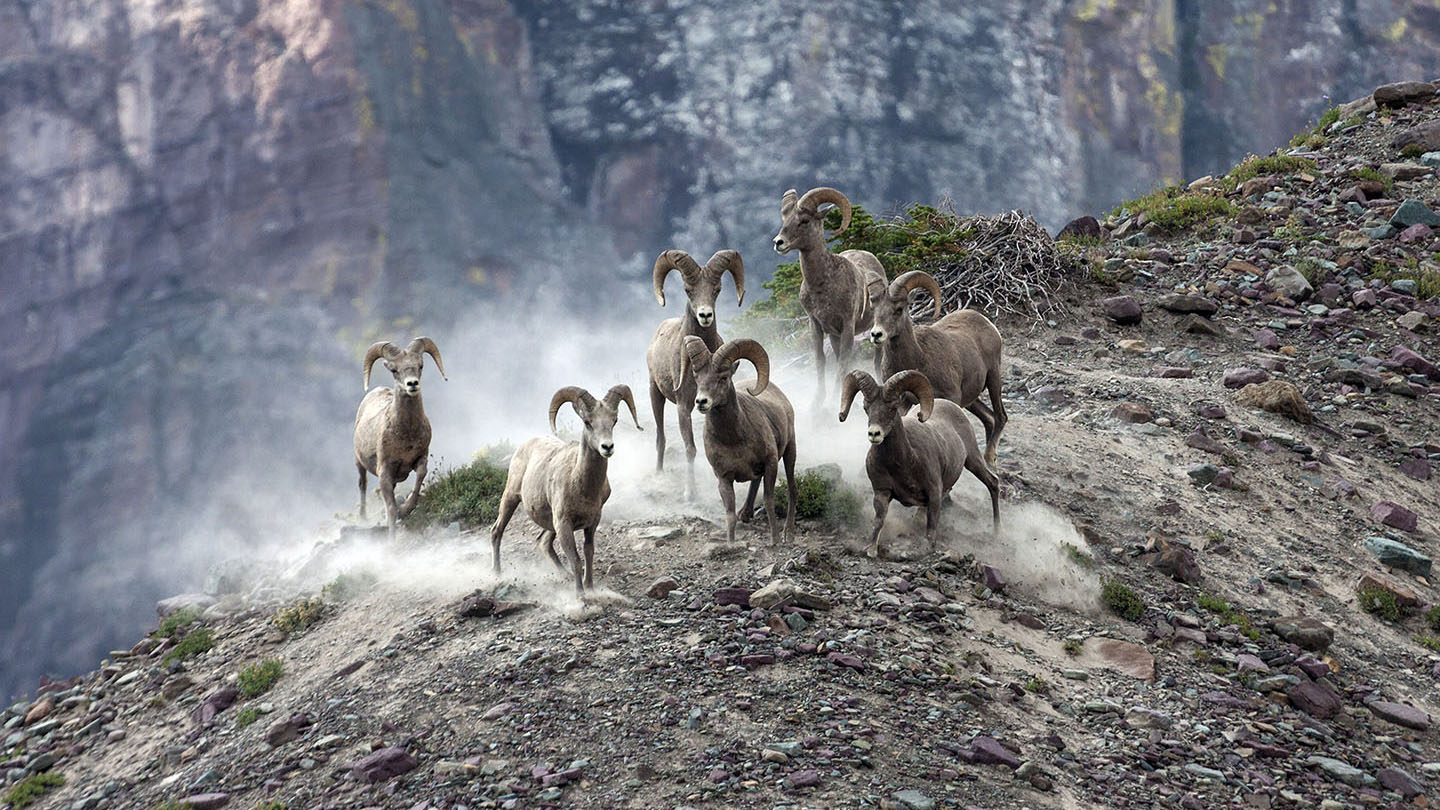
[256,679]
[171,626]
[1432,618]
[1274,164]
[348,585]
[820,498]
[1227,615]
[195,642]
[1366,173]
[469,495]
[299,616]
[1380,602]
[246,716]
[1173,209]
[1427,280]
[1121,600]
[29,790]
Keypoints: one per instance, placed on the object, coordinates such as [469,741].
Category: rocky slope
[268,184]
[1250,458]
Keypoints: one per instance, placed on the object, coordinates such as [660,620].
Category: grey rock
[1342,771]
[1398,555]
[1289,282]
[1122,309]
[1413,212]
[1400,714]
[914,799]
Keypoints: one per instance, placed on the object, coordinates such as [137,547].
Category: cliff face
[210,207]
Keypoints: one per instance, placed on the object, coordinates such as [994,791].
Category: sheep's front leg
[387,494]
[657,410]
[792,489]
[684,413]
[414,498]
[882,507]
[508,501]
[361,468]
[590,558]
[817,343]
[727,496]
[566,533]
[770,470]
[546,541]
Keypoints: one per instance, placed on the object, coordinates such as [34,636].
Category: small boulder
[383,764]
[1315,699]
[1398,94]
[988,751]
[1398,555]
[784,591]
[1086,227]
[1400,714]
[1278,397]
[1289,282]
[661,587]
[1122,309]
[1394,515]
[1398,781]
[1413,212]
[206,801]
[1405,599]
[1132,412]
[1241,377]
[1409,359]
[1186,304]
[1416,233]
[1306,632]
[1426,136]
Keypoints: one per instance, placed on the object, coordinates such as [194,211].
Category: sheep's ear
[876,288]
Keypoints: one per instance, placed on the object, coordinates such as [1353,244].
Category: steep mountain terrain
[1211,586]
[203,198]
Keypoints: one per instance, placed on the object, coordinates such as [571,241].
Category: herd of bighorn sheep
[749,433]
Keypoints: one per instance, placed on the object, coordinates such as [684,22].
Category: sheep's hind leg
[361,468]
[770,470]
[997,404]
[727,497]
[981,470]
[817,343]
[792,489]
[546,541]
[932,517]
[508,502]
[747,512]
[987,421]
[566,531]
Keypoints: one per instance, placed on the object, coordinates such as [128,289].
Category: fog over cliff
[208,208]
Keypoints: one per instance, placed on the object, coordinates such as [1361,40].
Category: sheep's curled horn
[913,382]
[724,261]
[905,282]
[389,350]
[856,382]
[816,197]
[580,398]
[698,356]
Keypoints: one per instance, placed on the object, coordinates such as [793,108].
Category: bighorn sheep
[832,285]
[392,433]
[747,432]
[915,459]
[666,356]
[959,354]
[564,484]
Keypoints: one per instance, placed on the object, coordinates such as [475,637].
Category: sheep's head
[405,364]
[599,416]
[886,405]
[802,226]
[891,304]
[715,374]
[702,284]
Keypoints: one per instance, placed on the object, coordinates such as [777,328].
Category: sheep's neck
[902,350]
[409,412]
[896,446]
[726,417]
[817,265]
[709,334]
[590,472]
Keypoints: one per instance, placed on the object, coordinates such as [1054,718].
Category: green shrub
[31,788]
[1380,602]
[1428,641]
[1227,614]
[1366,173]
[1121,600]
[469,495]
[1412,150]
[1432,617]
[1275,164]
[194,643]
[246,716]
[300,616]
[256,679]
[819,498]
[1081,558]
[1173,209]
[1073,646]
[348,585]
[177,621]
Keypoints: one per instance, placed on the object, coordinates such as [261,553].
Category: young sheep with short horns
[959,354]
[832,285]
[915,459]
[564,485]
[392,433]
[669,381]
[749,428]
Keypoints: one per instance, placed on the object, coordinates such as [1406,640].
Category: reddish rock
[1086,227]
[1306,632]
[846,660]
[1399,94]
[1398,781]
[733,596]
[1200,440]
[1408,359]
[1266,339]
[1415,233]
[1241,377]
[216,702]
[1400,714]
[1405,598]
[1314,699]
[1122,309]
[287,730]
[1172,372]
[994,580]
[1132,412]
[1417,468]
[40,710]
[805,778]
[1176,562]
[1364,299]
[384,764]
[1185,304]
[206,801]
[989,751]
[1394,515]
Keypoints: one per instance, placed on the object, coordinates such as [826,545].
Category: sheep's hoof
[873,552]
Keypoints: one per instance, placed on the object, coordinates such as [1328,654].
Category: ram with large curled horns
[959,354]
[392,433]
[749,427]
[669,380]
[832,285]
[915,459]
[564,485]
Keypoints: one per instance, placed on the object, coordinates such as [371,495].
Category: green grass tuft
[1365,173]
[302,615]
[469,495]
[175,622]
[1380,602]
[1080,557]
[1412,150]
[1432,617]
[194,643]
[1121,600]
[28,790]
[1227,614]
[820,499]
[1172,209]
[1072,646]
[256,679]
[347,586]
[1275,164]
[246,716]
[1428,641]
